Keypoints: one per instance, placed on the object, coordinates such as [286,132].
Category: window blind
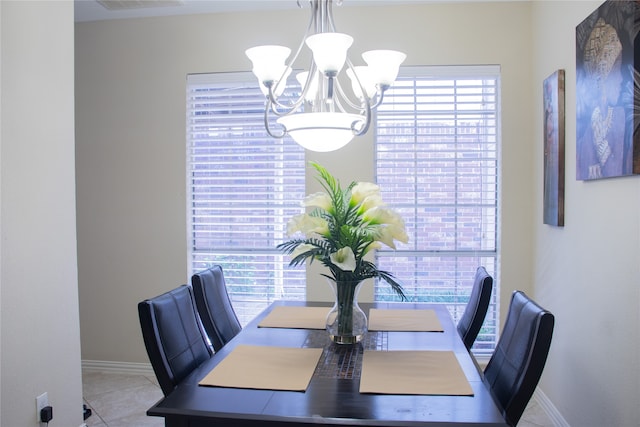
[243,186]
[437,165]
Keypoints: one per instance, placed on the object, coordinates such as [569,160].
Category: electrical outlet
[41,402]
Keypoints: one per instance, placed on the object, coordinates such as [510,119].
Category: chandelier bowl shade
[321,132]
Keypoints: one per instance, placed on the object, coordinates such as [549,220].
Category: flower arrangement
[345,225]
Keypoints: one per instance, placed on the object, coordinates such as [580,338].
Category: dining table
[410,369]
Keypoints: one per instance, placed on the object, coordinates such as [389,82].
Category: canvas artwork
[607,79]
[553,126]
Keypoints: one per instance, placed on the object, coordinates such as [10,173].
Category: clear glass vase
[346,322]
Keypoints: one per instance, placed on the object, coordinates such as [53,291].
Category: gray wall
[587,272]
[130,134]
[40,333]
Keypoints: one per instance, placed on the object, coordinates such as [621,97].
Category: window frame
[459,278]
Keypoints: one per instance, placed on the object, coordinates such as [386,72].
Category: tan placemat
[296,318]
[266,368]
[413,372]
[408,320]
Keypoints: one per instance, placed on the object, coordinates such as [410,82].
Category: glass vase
[346,322]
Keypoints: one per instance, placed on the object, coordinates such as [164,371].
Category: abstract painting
[553,131]
[607,92]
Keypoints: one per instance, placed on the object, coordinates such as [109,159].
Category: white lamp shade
[364,76]
[320,132]
[268,61]
[329,51]
[313,86]
[384,65]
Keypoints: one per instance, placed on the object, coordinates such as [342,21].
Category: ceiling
[94,10]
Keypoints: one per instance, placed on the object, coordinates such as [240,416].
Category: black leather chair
[472,319]
[213,303]
[175,342]
[516,365]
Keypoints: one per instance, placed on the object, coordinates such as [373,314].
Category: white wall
[40,335]
[587,272]
[130,87]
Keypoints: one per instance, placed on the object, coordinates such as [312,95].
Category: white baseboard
[547,406]
[130,368]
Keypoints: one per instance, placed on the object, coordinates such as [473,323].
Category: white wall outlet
[41,402]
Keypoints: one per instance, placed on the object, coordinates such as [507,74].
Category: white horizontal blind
[437,164]
[243,186]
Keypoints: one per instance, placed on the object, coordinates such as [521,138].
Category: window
[437,164]
[243,186]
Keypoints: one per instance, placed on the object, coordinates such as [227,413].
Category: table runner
[296,318]
[265,367]
[413,372]
[408,320]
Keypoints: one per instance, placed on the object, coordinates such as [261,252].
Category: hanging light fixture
[323,117]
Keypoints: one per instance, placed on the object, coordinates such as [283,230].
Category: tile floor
[121,400]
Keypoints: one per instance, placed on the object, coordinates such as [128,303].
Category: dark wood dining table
[333,396]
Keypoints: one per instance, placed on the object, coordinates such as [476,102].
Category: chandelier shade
[318,114]
[384,65]
[329,51]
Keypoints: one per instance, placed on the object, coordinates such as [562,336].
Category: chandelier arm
[290,108]
[306,34]
[367,121]
[287,109]
[366,99]
[337,105]
[380,93]
[330,23]
[345,97]
[266,123]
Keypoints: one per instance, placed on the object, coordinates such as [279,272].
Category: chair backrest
[516,365]
[213,303]
[472,319]
[174,340]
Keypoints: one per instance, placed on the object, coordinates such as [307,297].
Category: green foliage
[346,234]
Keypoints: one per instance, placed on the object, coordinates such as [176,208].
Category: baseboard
[547,406]
[129,368]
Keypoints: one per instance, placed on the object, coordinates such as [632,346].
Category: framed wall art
[553,131]
[607,92]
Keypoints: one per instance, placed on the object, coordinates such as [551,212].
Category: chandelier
[323,117]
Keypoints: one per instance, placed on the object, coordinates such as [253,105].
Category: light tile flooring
[121,400]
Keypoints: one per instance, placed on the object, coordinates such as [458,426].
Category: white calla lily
[307,224]
[371,247]
[381,215]
[318,200]
[344,259]
[370,202]
[362,190]
[389,233]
